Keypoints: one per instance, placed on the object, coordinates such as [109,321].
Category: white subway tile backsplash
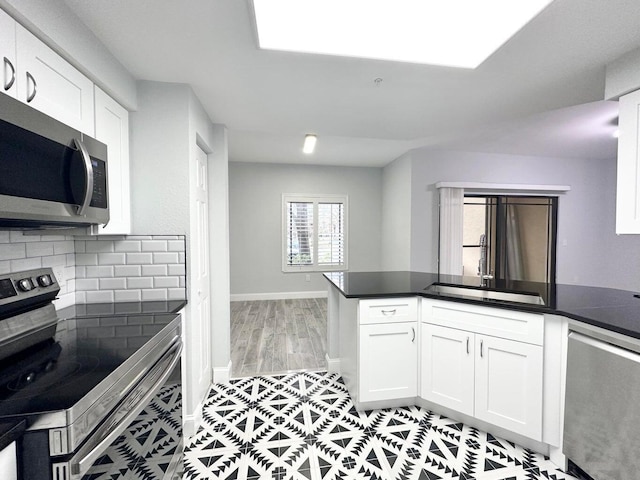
[139,258]
[111,258]
[64,247]
[103,296]
[127,270]
[86,259]
[100,246]
[26,264]
[166,282]
[154,246]
[176,269]
[128,295]
[167,257]
[39,249]
[139,282]
[13,251]
[135,267]
[128,246]
[87,284]
[113,283]
[154,270]
[101,271]
[155,294]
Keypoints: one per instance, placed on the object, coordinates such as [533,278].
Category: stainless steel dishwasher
[602,412]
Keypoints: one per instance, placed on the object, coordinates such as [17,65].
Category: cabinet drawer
[388,310]
[497,322]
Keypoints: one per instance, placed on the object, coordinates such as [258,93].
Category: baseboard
[333,364]
[222,374]
[191,423]
[247,297]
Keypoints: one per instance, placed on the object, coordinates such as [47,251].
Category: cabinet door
[628,189]
[112,129]
[509,385]
[447,367]
[388,361]
[50,84]
[8,53]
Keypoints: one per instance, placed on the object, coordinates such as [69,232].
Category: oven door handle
[83,460]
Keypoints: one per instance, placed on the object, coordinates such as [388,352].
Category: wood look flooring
[278,336]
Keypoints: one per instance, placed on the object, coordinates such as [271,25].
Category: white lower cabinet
[508,384]
[388,361]
[448,367]
[496,380]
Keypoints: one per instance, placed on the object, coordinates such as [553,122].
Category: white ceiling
[540,94]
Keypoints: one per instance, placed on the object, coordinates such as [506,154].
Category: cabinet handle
[467,345]
[481,349]
[413,331]
[8,64]
[389,312]
[35,87]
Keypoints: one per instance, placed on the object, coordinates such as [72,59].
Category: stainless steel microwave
[50,174]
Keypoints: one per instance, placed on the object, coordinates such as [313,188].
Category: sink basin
[528,298]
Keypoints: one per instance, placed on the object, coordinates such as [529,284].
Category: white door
[628,189]
[388,361]
[509,385]
[447,367]
[8,53]
[201,300]
[112,129]
[50,84]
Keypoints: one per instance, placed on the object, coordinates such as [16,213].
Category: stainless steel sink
[528,298]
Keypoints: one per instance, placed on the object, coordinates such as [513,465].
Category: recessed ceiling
[270,99]
[455,33]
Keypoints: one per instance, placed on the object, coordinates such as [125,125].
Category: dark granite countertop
[122,308]
[608,308]
[10,431]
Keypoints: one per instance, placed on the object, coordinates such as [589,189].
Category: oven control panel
[31,285]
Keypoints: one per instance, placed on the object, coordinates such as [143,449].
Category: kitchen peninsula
[493,357]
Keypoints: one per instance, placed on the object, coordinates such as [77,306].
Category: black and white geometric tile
[147,448]
[304,426]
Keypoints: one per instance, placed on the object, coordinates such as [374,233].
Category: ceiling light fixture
[457,33]
[309,143]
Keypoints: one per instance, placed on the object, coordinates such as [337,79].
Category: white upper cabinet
[8,53]
[50,84]
[112,129]
[628,191]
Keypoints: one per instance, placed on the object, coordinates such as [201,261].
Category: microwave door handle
[88,171]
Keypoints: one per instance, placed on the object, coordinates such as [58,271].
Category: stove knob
[26,285]
[45,280]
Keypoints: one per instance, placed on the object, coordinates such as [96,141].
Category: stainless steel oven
[81,389]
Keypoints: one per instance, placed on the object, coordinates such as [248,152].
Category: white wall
[396,214]
[589,252]
[255,221]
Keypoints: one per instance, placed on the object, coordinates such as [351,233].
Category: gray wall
[396,215]
[589,251]
[255,221]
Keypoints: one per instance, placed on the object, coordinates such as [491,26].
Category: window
[315,232]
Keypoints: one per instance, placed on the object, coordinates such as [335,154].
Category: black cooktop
[91,341]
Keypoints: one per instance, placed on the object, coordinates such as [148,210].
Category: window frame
[315,199]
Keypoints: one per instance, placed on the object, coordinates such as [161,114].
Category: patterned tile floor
[304,426]
[149,449]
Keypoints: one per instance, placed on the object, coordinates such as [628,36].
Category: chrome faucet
[482,263]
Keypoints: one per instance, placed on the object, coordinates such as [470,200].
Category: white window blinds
[314,233]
